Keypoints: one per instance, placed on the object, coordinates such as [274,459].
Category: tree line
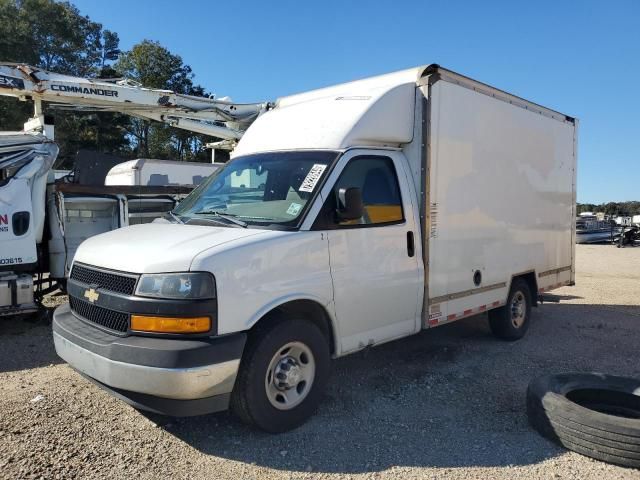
[611,208]
[56,36]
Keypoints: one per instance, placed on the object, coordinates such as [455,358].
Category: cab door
[17,235]
[374,260]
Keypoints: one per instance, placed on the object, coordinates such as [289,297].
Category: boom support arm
[219,118]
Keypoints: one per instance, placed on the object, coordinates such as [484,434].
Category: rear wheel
[282,376]
[511,321]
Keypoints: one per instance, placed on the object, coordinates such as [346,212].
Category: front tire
[511,321]
[282,376]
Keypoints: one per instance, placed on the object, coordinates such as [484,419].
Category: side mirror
[350,203]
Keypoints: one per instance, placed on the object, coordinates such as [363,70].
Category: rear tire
[511,321]
[283,374]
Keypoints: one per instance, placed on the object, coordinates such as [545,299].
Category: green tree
[62,38]
[586,207]
[16,39]
[153,66]
[56,36]
[611,208]
[15,46]
[110,47]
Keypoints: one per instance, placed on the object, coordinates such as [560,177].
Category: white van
[348,217]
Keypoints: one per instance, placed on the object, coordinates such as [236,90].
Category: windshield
[261,189]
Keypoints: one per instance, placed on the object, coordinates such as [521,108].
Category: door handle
[411,245]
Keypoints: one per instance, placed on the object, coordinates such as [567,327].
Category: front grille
[112,282]
[110,319]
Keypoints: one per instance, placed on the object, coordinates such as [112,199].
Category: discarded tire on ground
[592,414]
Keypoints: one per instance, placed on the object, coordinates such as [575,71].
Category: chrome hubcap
[290,376]
[518,309]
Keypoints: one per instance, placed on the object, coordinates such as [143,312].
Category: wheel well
[530,278]
[307,309]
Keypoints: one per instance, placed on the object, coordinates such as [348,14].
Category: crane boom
[219,118]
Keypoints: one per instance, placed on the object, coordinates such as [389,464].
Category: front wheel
[282,376]
[511,322]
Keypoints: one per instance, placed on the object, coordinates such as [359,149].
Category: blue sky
[579,57]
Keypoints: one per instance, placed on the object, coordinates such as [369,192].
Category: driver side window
[377,180]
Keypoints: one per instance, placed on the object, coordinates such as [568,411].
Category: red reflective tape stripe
[433,321]
[470,311]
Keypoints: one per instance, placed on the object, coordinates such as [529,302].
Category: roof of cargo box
[375,111]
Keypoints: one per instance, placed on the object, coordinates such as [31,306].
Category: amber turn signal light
[144,323]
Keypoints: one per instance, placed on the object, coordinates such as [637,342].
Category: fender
[327,306]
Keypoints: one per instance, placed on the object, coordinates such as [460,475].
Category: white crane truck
[42,222]
[348,217]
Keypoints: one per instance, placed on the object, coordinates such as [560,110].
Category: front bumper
[172,376]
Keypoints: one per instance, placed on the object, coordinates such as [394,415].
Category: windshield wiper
[175,217]
[226,216]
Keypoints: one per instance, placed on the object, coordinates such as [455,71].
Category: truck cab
[274,240]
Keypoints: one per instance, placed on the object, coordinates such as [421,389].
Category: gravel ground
[448,403]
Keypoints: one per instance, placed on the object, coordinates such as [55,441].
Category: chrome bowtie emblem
[91,295]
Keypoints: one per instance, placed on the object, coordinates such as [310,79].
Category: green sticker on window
[294,209]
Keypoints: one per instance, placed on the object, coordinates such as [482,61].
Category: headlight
[177,285]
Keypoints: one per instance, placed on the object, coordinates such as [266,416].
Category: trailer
[152,172]
[348,217]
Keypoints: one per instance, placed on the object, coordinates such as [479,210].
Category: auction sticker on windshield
[310,181]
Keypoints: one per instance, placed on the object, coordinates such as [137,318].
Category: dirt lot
[448,403]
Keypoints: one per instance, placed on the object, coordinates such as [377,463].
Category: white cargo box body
[495,176]
[151,172]
[500,193]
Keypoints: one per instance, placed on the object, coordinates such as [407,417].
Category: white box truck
[348,217]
